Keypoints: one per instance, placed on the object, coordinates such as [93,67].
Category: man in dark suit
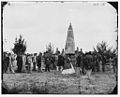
[47,63]
[39,61]
[60,62]
[79,60]
[19,63]
[5,62]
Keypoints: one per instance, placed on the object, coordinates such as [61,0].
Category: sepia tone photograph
[59,47]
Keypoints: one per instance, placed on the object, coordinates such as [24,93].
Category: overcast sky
[41,23]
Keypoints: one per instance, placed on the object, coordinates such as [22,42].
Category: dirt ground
[56,83]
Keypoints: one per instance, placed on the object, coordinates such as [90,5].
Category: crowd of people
[66,64]
[58,61]
[96,62]
[30,62]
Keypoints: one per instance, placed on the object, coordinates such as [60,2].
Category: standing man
[56,60]
[19,63]
[103,62]
[14,62]
[24,63]
[5,62]
[79,69]
[88,62]
[34,61]
[80,63]
[39,57]
[47,62]
[60,63]
[10,66]
[29,62]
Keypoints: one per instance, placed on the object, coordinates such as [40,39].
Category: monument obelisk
[70,44]
[70,47]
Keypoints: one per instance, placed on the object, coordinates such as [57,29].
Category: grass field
[56,83]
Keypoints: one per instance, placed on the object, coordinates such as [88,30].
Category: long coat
[60,61]
[88,62]
[5,64]
[39,60]
[79,61]
[19,63]
[23,63]
[47,61]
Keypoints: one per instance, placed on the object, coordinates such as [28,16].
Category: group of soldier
[58,61]
[20,63]
[96,62]
[31,62]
